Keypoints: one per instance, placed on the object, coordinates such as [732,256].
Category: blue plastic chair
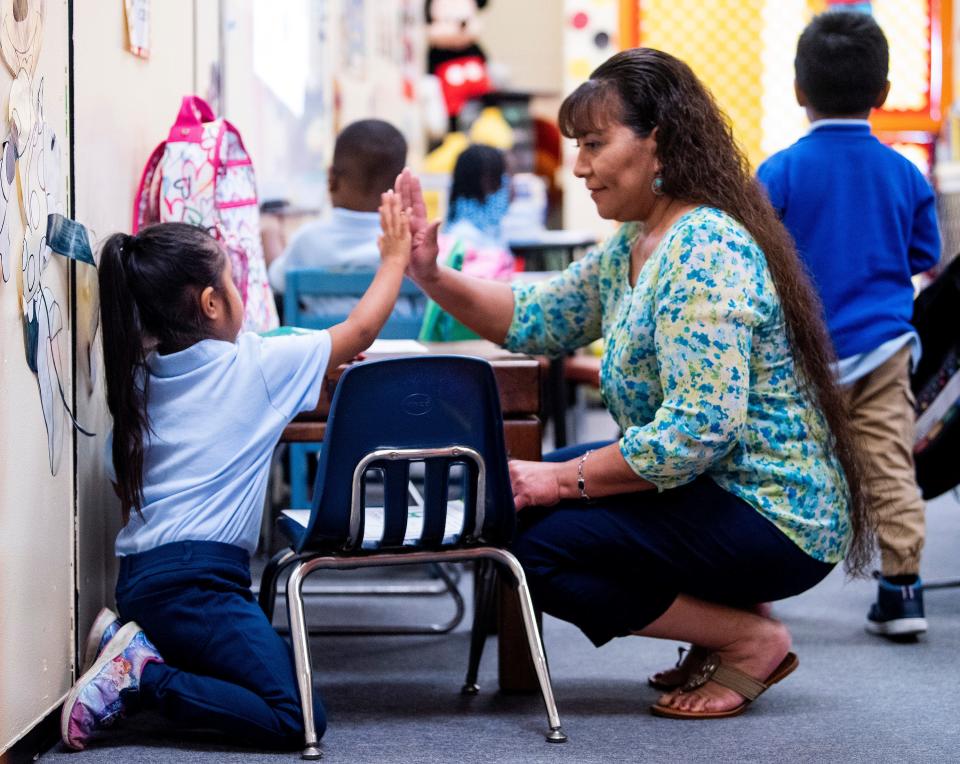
[314,284]
[443,411]
[305,290]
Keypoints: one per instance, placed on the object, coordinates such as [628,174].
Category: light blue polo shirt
[217,410]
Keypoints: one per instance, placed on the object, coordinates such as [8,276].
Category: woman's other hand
[423,258]
[535,484]
[395,241]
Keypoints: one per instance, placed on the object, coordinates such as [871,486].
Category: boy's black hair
[842,63]
[369,154]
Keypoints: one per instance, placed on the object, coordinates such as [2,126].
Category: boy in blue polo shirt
[864,221]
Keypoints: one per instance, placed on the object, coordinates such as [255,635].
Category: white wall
[36,507]
[125,106]
[526,38]
[356,63]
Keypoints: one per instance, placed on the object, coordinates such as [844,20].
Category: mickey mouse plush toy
[454,56]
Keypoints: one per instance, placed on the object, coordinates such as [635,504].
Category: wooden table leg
[557,393]
[516,672]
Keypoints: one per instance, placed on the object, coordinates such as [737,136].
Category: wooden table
[519,380]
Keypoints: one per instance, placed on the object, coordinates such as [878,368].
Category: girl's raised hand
[394,241]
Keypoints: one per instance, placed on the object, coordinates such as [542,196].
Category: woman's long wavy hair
[701,163]
[150,285]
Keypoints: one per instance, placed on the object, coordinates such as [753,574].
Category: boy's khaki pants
[882,411]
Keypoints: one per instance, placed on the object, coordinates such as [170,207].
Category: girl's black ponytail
[123,351]
[149,289]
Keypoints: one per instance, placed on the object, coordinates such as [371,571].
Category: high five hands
[394,241]
[423,256]
[534,483]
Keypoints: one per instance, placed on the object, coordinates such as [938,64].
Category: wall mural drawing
[31,156]
[8,174]
[21,34]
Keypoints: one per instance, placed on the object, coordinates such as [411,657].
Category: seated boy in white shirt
[367,157]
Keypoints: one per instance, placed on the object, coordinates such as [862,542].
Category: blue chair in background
[444,413]
[319,299]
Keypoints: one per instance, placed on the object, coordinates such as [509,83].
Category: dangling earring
[657,186]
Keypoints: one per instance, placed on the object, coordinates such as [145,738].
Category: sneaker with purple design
[97,699]
[105,626]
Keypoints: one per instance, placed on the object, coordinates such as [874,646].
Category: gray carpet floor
[855,697]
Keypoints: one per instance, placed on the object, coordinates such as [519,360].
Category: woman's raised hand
[423,257]
[394,241]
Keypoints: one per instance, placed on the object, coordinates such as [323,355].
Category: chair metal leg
[448,585]
[556,734]
[483,603]
[267,596]
[301,657]
[301,647]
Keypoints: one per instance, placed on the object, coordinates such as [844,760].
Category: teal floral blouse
[697,371]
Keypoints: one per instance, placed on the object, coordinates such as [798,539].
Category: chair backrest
[319,299]
[385,415]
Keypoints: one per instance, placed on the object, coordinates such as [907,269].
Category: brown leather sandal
[663,686]
[734,679]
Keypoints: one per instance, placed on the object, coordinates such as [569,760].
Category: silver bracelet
[581,483]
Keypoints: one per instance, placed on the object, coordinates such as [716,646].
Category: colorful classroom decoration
[591,36]
[743,50]
[921,75]
[31,156]
[454,56]
[137,13]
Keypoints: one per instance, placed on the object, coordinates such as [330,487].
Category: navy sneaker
[898,611]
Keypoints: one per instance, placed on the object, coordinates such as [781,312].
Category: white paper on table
[398,347]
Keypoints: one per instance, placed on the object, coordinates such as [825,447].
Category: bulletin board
[742,50]
[921,63]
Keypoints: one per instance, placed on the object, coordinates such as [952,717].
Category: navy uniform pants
[226,668]
[616,564]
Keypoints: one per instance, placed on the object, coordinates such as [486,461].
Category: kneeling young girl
[198,408]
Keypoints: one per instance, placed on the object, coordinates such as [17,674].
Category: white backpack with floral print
[203,175]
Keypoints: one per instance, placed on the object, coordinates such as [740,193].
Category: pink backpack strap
[146,204]
[194,111]
[232,129]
